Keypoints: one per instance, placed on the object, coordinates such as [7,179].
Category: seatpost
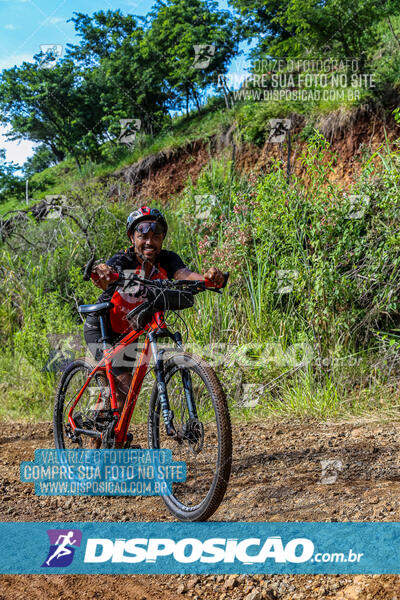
[104,336]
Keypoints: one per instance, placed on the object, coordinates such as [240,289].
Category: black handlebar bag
[159,299]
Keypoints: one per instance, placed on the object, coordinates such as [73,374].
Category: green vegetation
[10,184]
[311,312]
[315,283]
[310,319]
[297,27]
[123,68]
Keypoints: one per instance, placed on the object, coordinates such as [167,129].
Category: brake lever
[88,269]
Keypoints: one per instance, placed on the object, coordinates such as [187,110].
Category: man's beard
[146,260]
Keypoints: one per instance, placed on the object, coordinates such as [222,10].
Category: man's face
[148,244]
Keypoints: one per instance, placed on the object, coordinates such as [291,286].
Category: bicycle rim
[85,414]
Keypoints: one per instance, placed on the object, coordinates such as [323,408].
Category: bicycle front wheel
[204,442]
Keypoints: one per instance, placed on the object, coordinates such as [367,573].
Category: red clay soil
[173,176]
[348,135]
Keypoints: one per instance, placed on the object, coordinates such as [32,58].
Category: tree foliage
[124,67]
[41,160]
[177,27]
[300,27]
[148,68]
[54,106]
[10,184]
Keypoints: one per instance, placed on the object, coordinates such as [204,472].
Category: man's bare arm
[213,274]
[186,273]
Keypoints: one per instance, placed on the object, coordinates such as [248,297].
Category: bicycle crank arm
[89,432]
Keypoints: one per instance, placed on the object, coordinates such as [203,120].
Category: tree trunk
[392,30]
[59,154]
[196,99]
[78,164]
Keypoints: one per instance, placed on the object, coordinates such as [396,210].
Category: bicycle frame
[154,329]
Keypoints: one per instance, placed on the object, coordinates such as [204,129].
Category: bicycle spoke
[88,412]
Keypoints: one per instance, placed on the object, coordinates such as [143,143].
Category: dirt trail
[277,476]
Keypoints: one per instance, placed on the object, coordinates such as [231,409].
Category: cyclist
[146,229]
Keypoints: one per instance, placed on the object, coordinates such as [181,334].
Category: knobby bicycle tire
[219,429]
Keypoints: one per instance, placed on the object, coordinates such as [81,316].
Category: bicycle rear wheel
[205,443]
[94,402]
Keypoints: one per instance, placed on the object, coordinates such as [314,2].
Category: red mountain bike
[195,422]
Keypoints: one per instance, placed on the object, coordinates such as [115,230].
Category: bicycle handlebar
[193,285]
[176,283]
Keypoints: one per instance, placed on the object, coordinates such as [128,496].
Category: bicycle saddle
[100,309]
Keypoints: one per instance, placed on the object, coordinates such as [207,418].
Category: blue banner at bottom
[199,548]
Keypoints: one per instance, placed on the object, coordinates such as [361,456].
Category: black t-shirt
[167,261]
[167,264]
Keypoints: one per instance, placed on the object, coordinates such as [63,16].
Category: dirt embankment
[278,475]
[350,134]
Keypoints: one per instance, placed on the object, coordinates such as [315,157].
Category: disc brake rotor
[193,433]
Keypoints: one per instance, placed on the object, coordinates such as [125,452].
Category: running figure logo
[62,542]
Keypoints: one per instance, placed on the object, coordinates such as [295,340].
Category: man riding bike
[146,228]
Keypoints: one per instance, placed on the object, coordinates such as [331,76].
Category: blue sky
[26,24]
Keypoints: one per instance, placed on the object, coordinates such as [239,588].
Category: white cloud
[16,59]
[16,152]
[55,20]
[10,26]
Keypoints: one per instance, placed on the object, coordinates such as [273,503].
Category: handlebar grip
[113,276]
[209,284]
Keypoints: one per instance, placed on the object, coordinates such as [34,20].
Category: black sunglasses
[145,226]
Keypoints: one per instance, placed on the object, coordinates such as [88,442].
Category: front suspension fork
[167,413]
[158,356]
[187,383]
[187,386]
